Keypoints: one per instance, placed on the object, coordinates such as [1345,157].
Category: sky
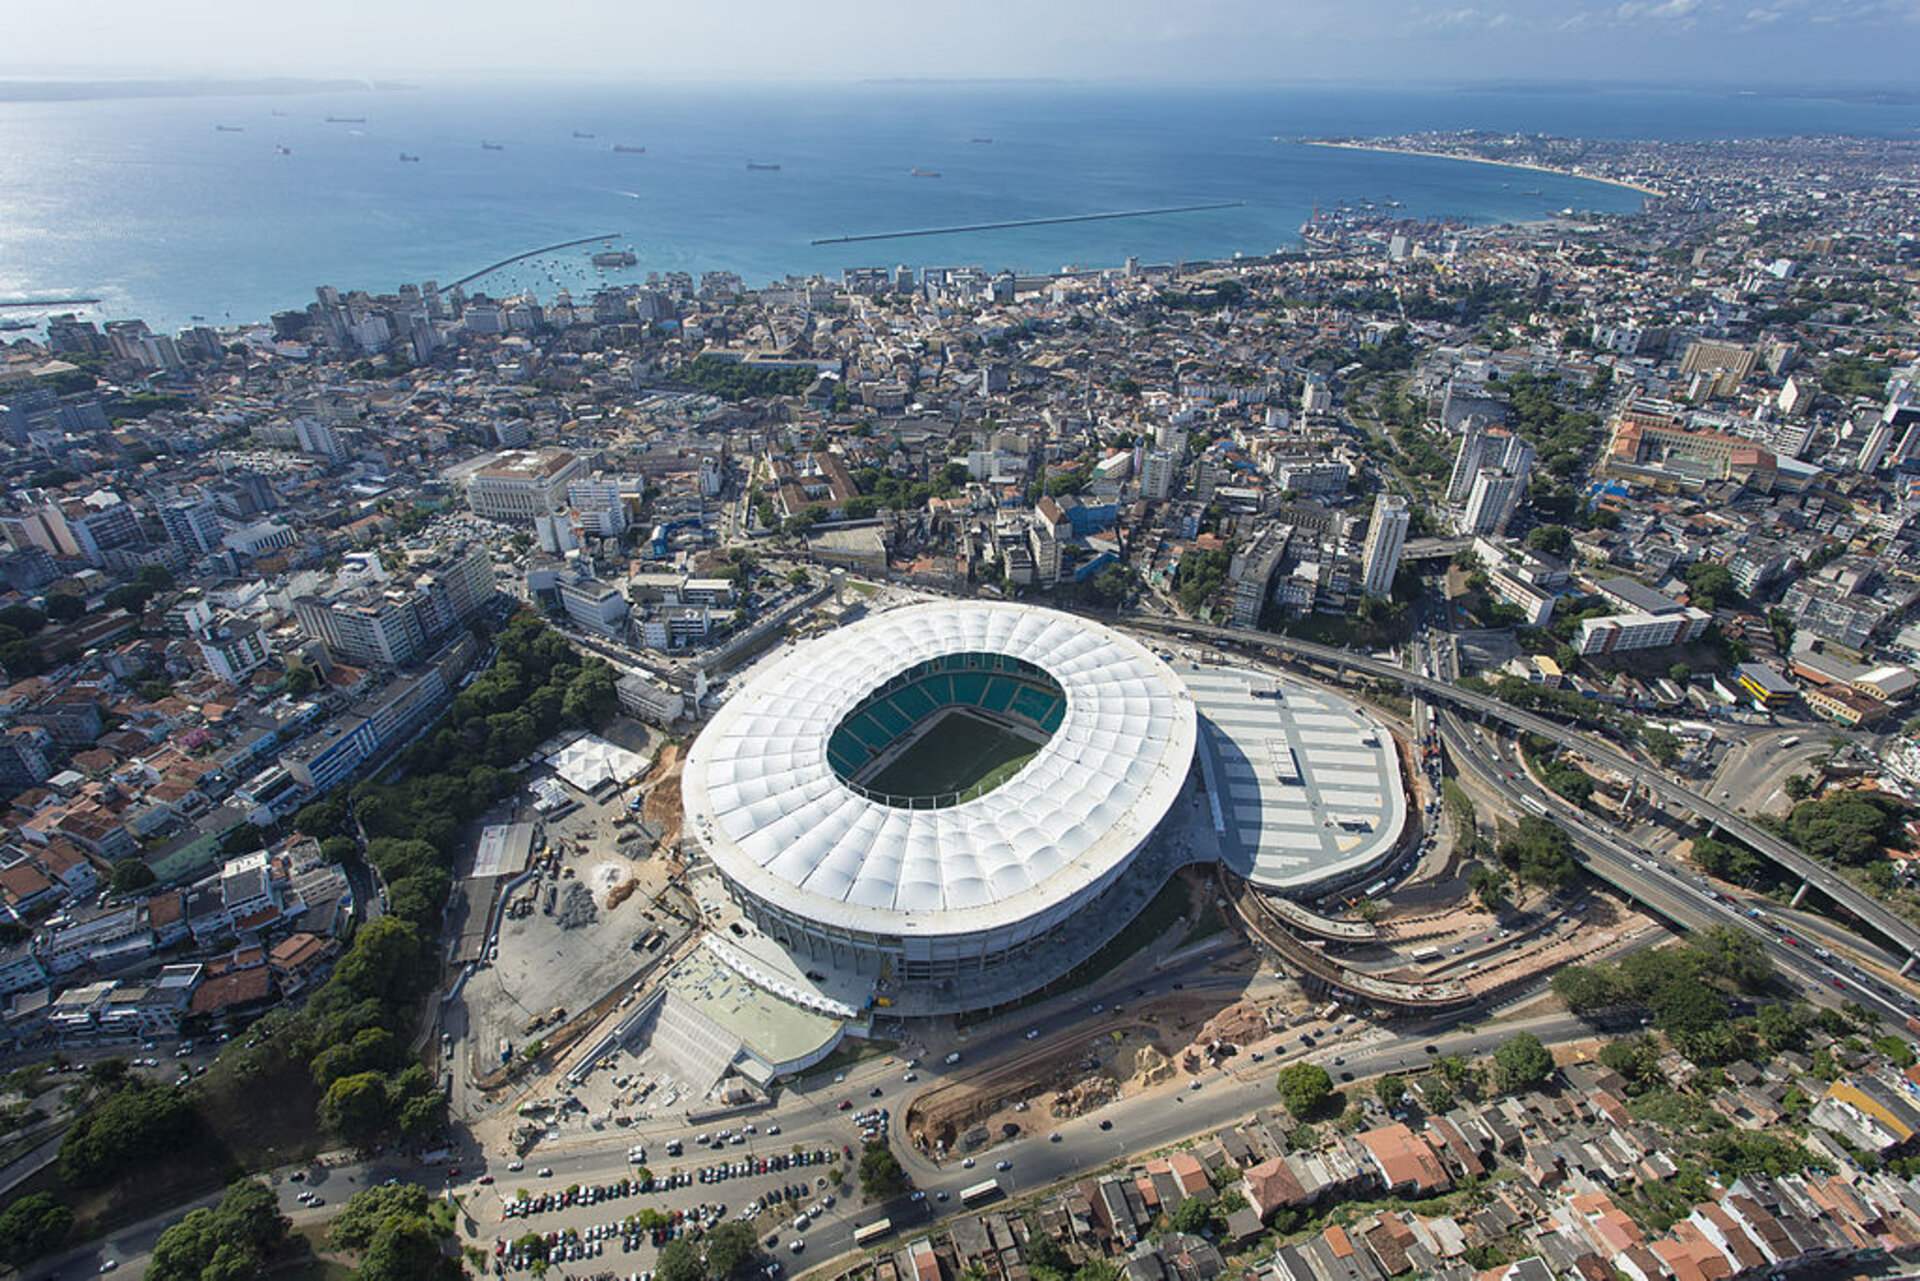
[1745,42]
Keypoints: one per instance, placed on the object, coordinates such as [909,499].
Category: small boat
[923,173]
[229,128]
[765,168]
[1531,191]
[492,146]
[346,120]
[407,159]
[285,151]
[629,151]
[578,134]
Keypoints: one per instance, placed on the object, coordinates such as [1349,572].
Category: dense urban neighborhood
[1426,781]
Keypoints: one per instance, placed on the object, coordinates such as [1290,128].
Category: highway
[1683,898]
[1871,913]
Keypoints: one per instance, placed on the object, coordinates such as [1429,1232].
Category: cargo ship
[406,159]
[284,151]
[346,120]
[630,151]
[614,258]
[768,168]
[923,173]
[980,141]
[229,129]
[578,134]
[492,146]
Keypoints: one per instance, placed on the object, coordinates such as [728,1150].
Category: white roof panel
[777,820]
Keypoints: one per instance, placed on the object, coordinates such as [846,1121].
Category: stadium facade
[951,797]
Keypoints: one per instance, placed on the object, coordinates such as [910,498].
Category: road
[1684,898]
[1671,792]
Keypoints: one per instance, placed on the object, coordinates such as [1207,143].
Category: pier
[22,304]
[532,253]
[1026,222]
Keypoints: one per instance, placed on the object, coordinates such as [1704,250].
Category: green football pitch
[961,754]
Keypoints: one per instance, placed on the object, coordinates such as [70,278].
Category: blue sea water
[148,205]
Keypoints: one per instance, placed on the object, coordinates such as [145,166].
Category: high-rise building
[1157,473]
[1484,446]
[318,437]
[391,623]
[597,507]
[1496,492]
[193,523]
[97,530]
[1386,535]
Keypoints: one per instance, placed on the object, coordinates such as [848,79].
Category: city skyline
[1759,44]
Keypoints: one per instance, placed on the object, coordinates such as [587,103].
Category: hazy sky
[1188,41]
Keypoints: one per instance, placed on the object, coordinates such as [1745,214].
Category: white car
[967,1164]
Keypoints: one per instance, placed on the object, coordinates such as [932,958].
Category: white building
[522,484]
[1490,505]
[233,650]
[1386,535]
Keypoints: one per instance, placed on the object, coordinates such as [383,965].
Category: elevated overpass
[1903,936]
[1387,996]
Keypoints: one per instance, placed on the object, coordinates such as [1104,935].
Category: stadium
[949,797]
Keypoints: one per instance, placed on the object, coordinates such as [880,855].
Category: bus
[1424,954]
[872,1232]
[985,1190]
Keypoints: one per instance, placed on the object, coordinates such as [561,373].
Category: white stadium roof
[774,817]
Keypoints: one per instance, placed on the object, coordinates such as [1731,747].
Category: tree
[730,1248]
[355,1107]
[1584,987]
[367,1209]
[232,1241]
[1781,1027]
[1680,1006]
[1435,1096]
[407,1248]
[131,874]
[1194,1216]
[881,1174]
[1304,1088]
[680,1261]
[1553,539]
[1799,786]
[64,609]
[137,1123]
[1389,1089]
[31,1226]
[1710,584]
[128,596]
[797,576]
[301,680]
[1680,674]
[24,619]
[1521,1063]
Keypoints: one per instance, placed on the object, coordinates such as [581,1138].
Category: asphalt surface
[1671,792]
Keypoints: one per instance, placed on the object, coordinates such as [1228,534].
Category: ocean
[231,208]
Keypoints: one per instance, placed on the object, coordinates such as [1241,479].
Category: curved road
[1893,928]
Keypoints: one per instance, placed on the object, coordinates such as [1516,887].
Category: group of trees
[1684,988]
[881,1174]
[394,1230]
[1562,437]
[736,380]
[1851,827]
[32,1225]
[1201,574]
[231,1242]
[121,1120]
[730,1250]
[149,581]
[1539,852]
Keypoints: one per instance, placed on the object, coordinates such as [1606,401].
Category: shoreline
[1383,148]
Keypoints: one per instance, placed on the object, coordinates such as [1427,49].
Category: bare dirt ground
[662,806]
